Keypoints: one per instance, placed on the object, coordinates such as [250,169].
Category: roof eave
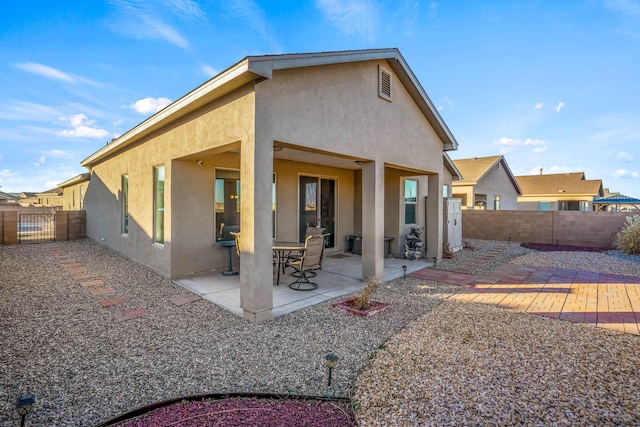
[253,68]
[451,167]
[229,80]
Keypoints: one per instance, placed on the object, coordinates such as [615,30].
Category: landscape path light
[330,360]
[404,272]
[24,404]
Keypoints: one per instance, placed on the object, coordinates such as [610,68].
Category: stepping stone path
[87,279]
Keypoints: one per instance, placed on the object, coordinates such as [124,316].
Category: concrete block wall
[572,228]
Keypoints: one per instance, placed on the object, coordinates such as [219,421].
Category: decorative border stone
[346,305]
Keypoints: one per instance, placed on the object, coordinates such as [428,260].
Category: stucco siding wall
[497,183]
[225,121]
[337,109]
[573,228]
[71,196]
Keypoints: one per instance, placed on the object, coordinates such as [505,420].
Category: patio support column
[256,283]
[433,227]
[373,219]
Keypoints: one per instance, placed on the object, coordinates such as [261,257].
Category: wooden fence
[69,225]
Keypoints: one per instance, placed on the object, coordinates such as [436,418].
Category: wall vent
[384,84]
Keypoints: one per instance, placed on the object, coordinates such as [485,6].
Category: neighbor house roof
[75,180]
[8,196]
[559,183]
[257,68]
[52,192]
[474,169]
[617,199]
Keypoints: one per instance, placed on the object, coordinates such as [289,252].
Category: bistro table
[282,250]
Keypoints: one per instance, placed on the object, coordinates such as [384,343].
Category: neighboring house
[487,184]
[616,202]
[345,140]
[28,198]
[73,192]
[8,198]
[49,198]
[558,192]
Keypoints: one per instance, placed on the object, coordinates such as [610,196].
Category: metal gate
[36,228]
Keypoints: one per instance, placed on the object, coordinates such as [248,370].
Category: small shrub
[628,239]
[363,301]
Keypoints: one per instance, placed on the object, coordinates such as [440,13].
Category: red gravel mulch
[241,411]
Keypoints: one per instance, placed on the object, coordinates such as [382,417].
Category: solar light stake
[24,404]
[330,360]
[404,271]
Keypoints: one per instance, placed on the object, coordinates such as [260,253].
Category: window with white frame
[410,201]
[125,204]
[158,204]
[496,203]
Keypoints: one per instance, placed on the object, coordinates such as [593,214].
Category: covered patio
[341,275]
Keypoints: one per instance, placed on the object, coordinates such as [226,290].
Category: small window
[125,204]
[158,204]
[81,197]
[445,191]
[410,200]
[384,84]
[496,203]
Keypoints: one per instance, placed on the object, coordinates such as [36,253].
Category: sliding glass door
[317,206]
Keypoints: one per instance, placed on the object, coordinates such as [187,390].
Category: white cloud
[559,107]
[46,71]
[530,141]
[626,157]
[185,9]
[150,105]
[509,144]
[55,74]
[250,11]
[41,161]
[134,18]
[539,106]
[81,128]
[20,110]
[58,154]
[352,16]
[623,173]
[208,70]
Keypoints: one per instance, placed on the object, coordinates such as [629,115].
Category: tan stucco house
[73,192]
[487,184]
[345,140]
[558,192]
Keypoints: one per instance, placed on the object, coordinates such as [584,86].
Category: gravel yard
[457,364]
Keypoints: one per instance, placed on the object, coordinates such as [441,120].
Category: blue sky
[549,84]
